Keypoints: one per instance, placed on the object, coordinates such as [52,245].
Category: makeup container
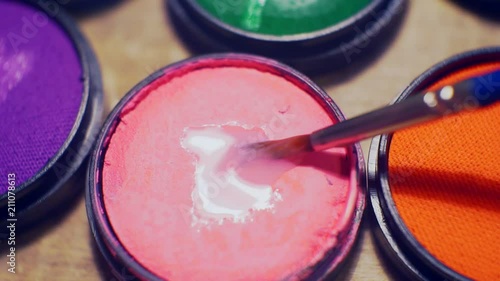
[435,188]
[50,107]
[312,36]
[158,209]
[489,9]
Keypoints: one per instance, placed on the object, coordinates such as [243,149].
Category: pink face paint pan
[165,202]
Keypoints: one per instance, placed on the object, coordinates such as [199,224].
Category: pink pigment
[148,180]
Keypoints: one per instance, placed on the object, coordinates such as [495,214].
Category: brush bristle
[283,148]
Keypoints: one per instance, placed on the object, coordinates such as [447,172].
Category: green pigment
[282,17]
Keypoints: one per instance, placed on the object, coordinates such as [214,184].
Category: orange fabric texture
[445,181]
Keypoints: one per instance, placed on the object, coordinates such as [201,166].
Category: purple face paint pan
[50,107]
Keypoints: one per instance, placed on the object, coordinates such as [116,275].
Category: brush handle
[466,95]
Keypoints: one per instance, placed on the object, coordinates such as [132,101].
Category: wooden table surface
[134,38]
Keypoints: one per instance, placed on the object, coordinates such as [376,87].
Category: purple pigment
[40,90]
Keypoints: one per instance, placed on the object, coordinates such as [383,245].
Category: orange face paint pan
[435,188]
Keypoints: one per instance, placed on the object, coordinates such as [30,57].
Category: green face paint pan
[312,36]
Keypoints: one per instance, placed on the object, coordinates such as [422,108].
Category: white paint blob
[221,192]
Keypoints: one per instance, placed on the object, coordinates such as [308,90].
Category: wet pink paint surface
[149,178]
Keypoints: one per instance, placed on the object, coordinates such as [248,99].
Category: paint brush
[466,95]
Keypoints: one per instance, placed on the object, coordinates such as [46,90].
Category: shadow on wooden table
[27,235]
[101,264]
[83,8]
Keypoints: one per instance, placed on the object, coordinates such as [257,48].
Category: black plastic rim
[123,265]
[39,194]
[88,5]
[401,247]
[312,52]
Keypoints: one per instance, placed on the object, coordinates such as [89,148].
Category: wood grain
[133,39]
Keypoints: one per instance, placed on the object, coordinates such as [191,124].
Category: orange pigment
[445,181]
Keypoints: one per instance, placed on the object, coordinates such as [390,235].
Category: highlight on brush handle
[466,95]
